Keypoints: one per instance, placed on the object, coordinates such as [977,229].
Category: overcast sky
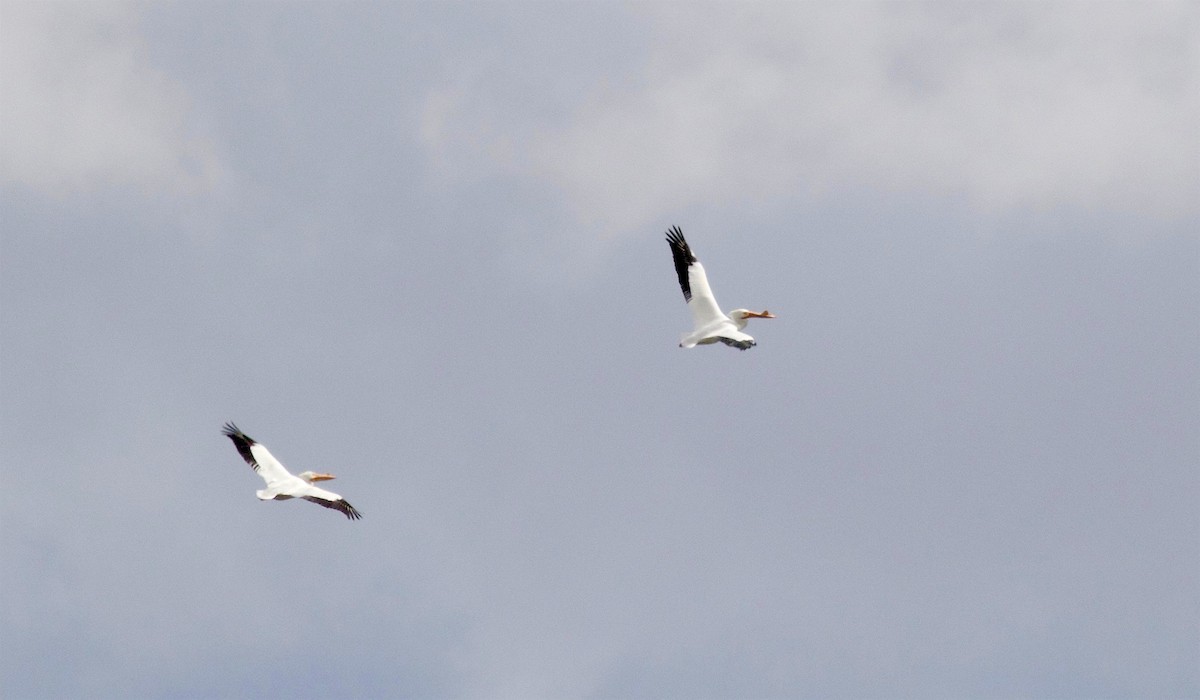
[421,246]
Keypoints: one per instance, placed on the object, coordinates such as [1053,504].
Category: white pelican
[281,484]
[710,325]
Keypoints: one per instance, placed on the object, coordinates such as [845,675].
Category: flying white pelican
[281,484]
[710,325]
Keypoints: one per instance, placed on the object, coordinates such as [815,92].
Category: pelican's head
[743,314]
[313,476]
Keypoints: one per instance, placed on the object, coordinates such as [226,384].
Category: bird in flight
[282,484]
[709,323]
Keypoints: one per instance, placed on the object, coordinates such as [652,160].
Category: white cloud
[81,107]
[1013,105]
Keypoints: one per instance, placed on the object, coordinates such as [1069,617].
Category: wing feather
[242,442]
[683,257]
[737,339]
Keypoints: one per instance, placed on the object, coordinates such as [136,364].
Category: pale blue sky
[421,246]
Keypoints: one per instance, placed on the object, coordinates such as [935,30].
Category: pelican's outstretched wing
[694,283]
[330,499]
[258,457]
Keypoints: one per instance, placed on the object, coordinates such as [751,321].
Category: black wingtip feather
[339,505]
[682,254]
[242,442]
[739,344]
[678,242]
[232,430]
